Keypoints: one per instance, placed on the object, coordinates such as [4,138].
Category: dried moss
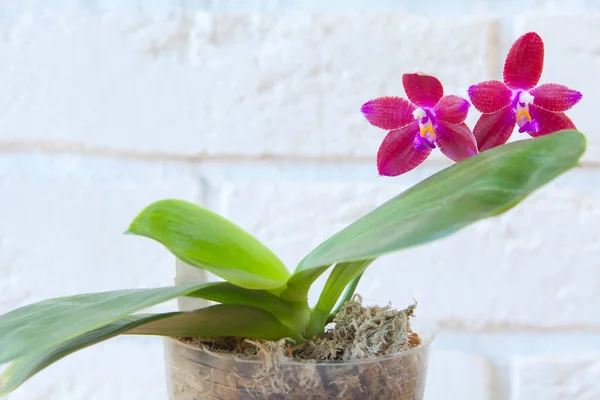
[361,332]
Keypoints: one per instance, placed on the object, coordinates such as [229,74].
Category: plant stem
[347,296]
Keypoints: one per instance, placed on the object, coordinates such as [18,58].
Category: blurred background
[251,108]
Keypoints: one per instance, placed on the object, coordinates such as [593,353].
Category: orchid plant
[259,297]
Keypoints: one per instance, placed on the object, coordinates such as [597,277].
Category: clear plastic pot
[195,374]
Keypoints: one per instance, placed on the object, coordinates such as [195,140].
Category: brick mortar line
[514,329]
[519,342]
[82,149]
[78,149]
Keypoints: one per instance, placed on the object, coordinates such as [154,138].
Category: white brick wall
[106,106]
[557,377]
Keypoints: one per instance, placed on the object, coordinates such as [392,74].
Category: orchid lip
[425,139]
[530,127]
[521,101]
[423,142]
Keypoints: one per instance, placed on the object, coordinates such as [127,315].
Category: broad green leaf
[24,368]
[220,320]
[48,323]
[479,187]
[341,275]
[206,240]
[294,315]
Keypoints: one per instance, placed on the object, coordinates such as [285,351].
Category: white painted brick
[97,81]
[534,267]
[251,84]
[572,44]
[573,377]
[62,223]
[296,83]
[434,8]
[125,368]
[459,375]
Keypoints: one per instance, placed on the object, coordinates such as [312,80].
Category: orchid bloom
[416,126]
[516,101]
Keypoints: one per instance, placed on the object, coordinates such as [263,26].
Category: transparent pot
[195,374]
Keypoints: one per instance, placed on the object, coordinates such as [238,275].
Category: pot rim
[427,330]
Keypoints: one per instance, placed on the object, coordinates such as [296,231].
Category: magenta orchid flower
[416,126]
[517,101]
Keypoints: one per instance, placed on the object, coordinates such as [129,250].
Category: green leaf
[21,369]
[337,281]
[39,326]
[479,187]
[294,315]
[206,240]
[220,320]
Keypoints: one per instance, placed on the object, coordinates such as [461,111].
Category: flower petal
[525,61]
[490,96]
[549,121]
[388,112]
[397,153]
[422,90]
[555,97]
[452,109]
[494,129]
[456,141]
